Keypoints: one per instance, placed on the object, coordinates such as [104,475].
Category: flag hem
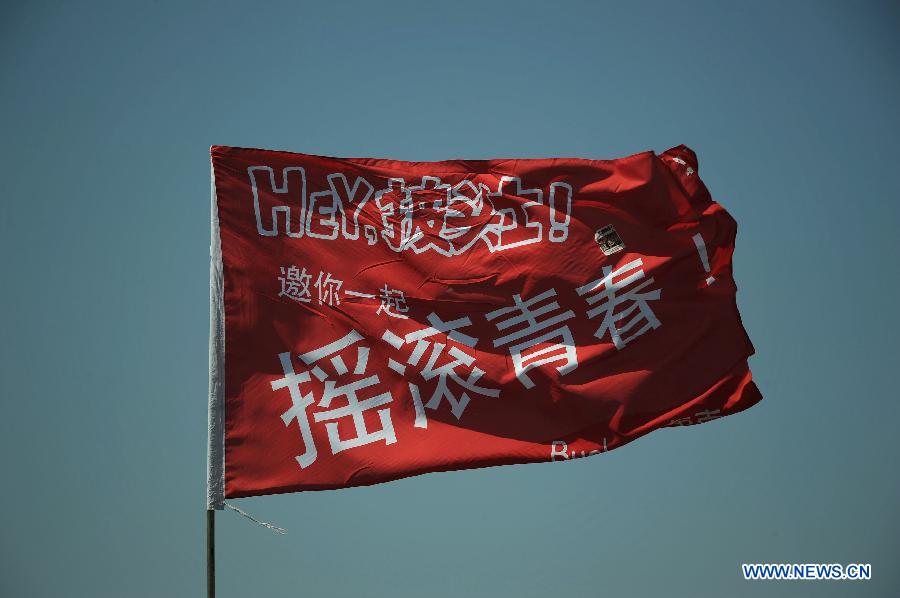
[215,463]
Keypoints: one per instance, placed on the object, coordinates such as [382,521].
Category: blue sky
[108,111]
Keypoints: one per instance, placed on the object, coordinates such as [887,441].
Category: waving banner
[376,319]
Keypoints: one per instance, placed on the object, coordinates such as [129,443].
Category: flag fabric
[375,319]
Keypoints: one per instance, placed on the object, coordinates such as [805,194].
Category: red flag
[376,319]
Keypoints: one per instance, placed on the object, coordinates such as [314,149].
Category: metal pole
[210,553]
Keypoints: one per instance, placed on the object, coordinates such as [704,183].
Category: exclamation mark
[701,249]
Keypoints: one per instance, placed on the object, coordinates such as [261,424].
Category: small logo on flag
[609,240]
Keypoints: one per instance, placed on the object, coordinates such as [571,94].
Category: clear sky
[108,111]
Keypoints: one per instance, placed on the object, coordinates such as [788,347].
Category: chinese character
[445,373]
[393,303]
[683,421]
[329,289]
[528,348]
[295,284]
[604,291]
[350,393]
[707,415]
